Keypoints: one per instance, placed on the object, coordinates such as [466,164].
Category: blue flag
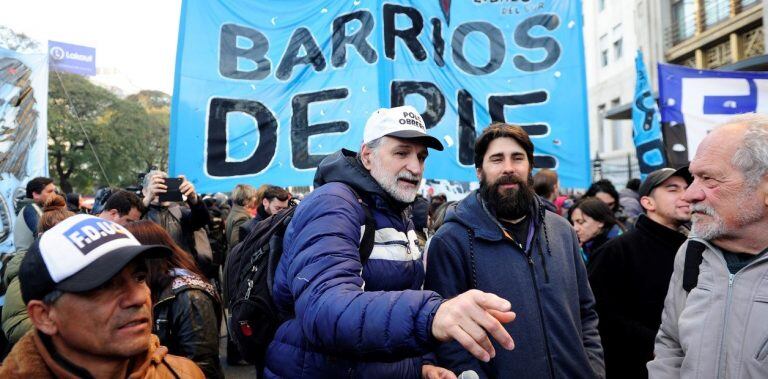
[646,124]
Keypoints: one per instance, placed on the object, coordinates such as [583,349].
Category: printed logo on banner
[74,59]
[285,91]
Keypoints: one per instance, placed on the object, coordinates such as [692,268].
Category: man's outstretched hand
[471,318]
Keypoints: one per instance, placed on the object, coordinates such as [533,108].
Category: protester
[186,308]
[122,207]
[604,190]
[15,320]
[74,202]
[546,186]
[595,224]
[338,329]
[630,274]
[181,222]
[84,282]
[420,218]
[38,191]
[714,319]
[243,200]
[273,200]
[500,239]
[629,201]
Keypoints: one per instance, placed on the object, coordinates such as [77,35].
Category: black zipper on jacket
[529,257]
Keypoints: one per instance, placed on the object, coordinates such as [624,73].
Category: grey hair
[243,194]
[751,157]
[373,145]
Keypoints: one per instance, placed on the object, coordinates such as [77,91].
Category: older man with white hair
[714,320]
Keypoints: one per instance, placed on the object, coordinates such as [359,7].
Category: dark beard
[513,203]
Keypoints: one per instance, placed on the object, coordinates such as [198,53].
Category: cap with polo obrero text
[657,177]
[79,254]
[402,122]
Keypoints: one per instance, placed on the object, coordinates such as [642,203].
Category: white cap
[402,122]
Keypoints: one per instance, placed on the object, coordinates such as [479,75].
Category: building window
[684,20]
[747,3]
[617,46]
[603,50]
[600,128]
[600,5]
[716,11]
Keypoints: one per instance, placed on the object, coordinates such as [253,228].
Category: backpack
[249,276]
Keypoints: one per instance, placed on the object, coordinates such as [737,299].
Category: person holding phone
[173,204]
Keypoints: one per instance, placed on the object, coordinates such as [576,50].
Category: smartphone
[173,194]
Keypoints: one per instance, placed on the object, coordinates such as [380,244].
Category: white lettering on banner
[79,57]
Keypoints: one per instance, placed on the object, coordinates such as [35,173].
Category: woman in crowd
[186,307]
[15,320]
[595,224]
[604,190]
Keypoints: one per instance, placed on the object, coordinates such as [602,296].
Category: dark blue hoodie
[340,330]
[555,331]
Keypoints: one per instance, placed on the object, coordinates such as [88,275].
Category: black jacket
[629,276]
[187,317]
[180,221]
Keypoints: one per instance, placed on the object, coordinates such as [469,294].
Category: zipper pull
[530,260]
[730,280]
[250,287]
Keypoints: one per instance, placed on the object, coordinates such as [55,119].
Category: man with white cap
[357,316]
[84,283]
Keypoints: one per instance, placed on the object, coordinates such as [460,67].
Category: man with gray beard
[714,320]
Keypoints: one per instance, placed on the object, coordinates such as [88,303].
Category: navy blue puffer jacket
[350,320]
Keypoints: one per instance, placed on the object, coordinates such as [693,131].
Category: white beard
[390,185]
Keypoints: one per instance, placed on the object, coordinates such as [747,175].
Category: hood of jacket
[473,212]
[343,166]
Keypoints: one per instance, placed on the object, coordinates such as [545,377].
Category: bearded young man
[715,326]
[371,320]
[500,239]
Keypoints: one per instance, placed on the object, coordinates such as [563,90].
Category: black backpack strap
[693,257]
[369,234]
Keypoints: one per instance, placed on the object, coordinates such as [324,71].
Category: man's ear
[479,173]
[365,156]
[42,317]
[647,203]
[265,203]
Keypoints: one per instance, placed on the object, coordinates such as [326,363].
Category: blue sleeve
[321,269]
[447,275]
[31,218]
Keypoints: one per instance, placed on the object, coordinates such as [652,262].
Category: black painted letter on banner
[301,130]
[302,37]
[216,162]
[522,38]
[357,39]
[409,36]
[495,42]
[467,132]
[229,52]
[429,91]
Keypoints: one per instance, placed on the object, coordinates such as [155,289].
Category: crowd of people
[663,279]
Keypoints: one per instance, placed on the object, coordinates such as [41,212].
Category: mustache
[508,179]
[704,209]
[408,176]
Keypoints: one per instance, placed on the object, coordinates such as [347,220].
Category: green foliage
[128,135]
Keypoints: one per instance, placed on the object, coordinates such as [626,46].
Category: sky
[136,37]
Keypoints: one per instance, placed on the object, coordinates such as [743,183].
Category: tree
[123,135]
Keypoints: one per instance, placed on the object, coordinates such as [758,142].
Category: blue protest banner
[264,90]
[74,59]
[694,101]
[647,123]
